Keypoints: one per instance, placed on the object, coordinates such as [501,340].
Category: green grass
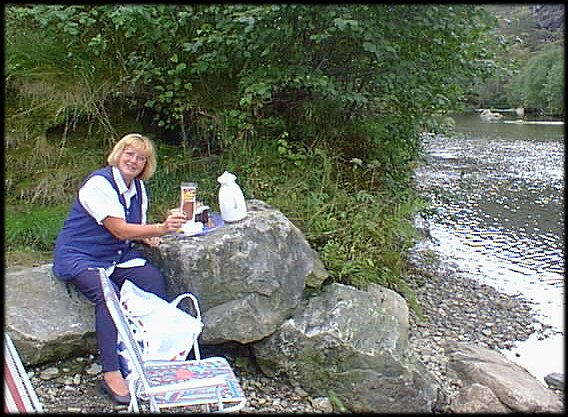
[32,227]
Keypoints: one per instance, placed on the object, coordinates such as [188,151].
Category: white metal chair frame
[153,379]
[19,394]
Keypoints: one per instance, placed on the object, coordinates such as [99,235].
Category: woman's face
[131,163]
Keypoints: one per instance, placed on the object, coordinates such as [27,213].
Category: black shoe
[119,399]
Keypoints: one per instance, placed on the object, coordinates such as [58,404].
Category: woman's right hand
[175,220]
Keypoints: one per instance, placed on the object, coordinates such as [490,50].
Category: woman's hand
[174,221]
[131,231]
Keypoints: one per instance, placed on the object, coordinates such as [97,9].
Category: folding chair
[19,395]
[209,382]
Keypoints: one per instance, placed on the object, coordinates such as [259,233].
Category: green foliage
[53,73]
[540,84]
[531,70]
[179,60]
[47,170]
[316,108]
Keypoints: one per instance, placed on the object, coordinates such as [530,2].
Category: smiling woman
[107,216]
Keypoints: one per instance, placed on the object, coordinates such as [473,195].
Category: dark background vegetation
[318,109]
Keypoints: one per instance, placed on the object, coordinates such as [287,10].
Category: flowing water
[497,193]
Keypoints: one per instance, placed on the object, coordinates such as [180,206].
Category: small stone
[301,392]
[77,379]
[94,369]
[322,404]
[49,373]
[555,380]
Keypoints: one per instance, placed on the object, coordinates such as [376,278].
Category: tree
[266,64]
[539,86]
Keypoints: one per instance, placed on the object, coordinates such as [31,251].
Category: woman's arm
[132,231]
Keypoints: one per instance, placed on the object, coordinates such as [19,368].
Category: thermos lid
[226,177]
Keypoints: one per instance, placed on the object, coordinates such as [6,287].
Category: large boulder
[352,345]
[492,383]
[47,319]
[249,276]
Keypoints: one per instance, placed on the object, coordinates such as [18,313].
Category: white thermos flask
[231,200]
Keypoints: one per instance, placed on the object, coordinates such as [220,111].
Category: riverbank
[463,309]
[454,309]
[497,216]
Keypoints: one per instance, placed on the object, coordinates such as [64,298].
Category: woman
[107,216]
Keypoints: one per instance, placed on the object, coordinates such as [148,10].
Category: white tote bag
[162,330]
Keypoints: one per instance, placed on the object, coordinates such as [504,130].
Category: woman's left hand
[153,242]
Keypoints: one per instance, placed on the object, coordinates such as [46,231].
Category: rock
[249,276]
[353,344]
[46,319]
[322,404]
[49,373]
[555,380]
[94,369]
[516,389]
[477,398]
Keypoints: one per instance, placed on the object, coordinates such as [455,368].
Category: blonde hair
[140,143]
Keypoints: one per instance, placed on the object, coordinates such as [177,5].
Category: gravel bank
[453,308]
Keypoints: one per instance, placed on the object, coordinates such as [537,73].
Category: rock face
[548,16]
[353,345]
[492,383]
[249,276]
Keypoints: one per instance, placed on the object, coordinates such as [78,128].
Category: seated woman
[107,216]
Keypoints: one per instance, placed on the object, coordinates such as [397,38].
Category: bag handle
[180,297]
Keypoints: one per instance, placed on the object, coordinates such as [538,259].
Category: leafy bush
[540,84]
[317,109]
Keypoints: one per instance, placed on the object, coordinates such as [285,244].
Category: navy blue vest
[82,243]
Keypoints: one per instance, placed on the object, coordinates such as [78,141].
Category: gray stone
[322,404]
[47,320]
[353,345]
[477,398]
[514,386]
[249,276]
[555,380]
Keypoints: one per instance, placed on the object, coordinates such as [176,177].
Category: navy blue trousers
[147,277]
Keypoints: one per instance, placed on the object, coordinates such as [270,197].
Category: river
[497,194]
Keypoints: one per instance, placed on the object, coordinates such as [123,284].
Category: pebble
[49,373]
[555,380]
